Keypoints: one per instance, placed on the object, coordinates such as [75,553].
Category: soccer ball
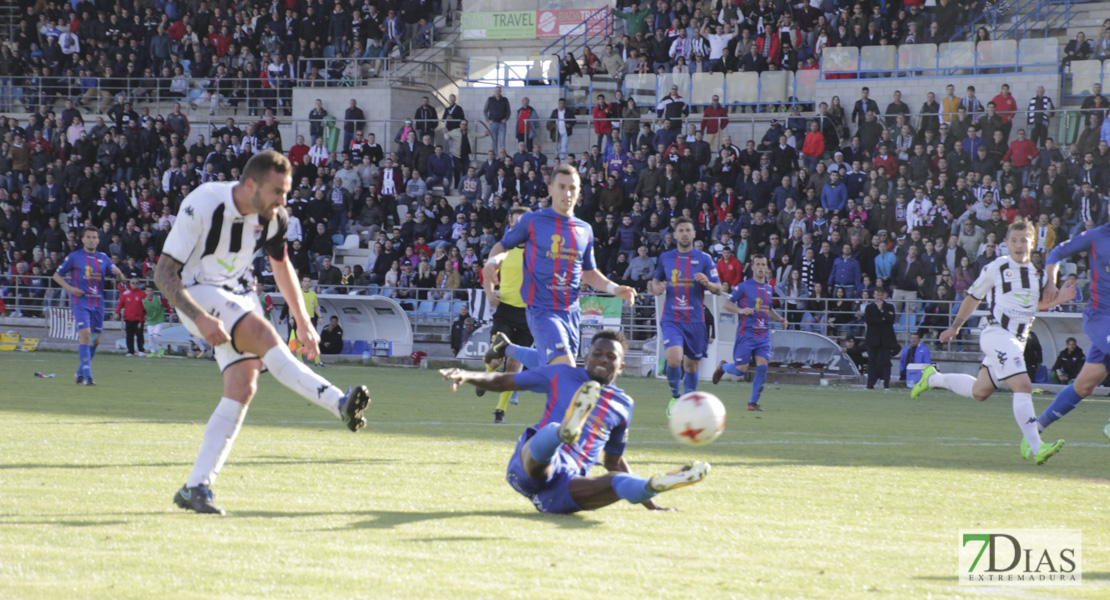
[697,418]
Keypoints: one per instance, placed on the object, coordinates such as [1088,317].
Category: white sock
[219,435]
[296,376]
[956,382]
[1027,420]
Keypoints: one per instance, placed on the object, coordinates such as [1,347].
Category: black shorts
[512,321]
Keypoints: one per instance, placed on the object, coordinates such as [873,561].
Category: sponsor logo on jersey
[559,251]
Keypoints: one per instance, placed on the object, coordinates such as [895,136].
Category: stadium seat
[425,307]
[359,347]
[1039,51]
[443,307]
[1084,74]
[823,356]
[337,239]
[351,241]
[640,87]
[957,55]
[773,87]
[742,88]
[917,56]
[347,346]
[780,355]
[402,210]
[801,356]
[329,51]
[840,60]
[877,58]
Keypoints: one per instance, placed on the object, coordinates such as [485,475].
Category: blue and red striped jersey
[685,302]
[607,426]
[90,269]
[1097,243]
[557,250]
[757,296]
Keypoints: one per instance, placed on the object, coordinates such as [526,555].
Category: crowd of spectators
[843,200]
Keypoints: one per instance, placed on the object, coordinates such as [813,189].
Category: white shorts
[229,308]
[1003,353]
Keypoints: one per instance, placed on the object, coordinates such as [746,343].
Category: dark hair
[754,257]
[89,228]
[682,221]
[613,335]
[262,164]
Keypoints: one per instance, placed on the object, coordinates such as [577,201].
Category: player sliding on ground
[683,274]
[1010,286]
[205,273]
[752,301]
[585,413]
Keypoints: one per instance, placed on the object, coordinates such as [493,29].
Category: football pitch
[831,493]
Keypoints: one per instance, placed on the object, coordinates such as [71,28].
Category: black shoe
[197,499]
[498,417]
[479,392]
[89,381]
[497,345]
[754,406]
[80,380]
[358,398]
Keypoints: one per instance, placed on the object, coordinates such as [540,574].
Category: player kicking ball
[752,301]
[585,413]
[683,274]
[205,273]
[1013,293]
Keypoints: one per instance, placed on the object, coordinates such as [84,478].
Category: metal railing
[432,308]
[579,37]
[1041,16]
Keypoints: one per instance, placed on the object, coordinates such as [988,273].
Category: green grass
[832,493]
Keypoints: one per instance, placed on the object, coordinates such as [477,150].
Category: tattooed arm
[167,276]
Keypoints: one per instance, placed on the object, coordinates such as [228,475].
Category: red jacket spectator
[297,154]
[714,119]
[1006,107]
[131,303]
[731,270]
[723,205]
[888,161]
[1028,206]
[602,124]
[1021,152]
[814,144]
[1009,214]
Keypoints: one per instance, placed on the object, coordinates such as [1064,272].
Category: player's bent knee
[254,334]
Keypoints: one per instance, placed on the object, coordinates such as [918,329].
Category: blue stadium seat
[802,355]
[780,355]
[443,307]
[338,239]
[359,347]
[425,307]
[347,346]
[1041,375]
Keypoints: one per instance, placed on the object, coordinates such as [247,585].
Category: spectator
[879,316]
[1068,363]
[353,120]
[497,113]
[915,353]
[331,337]
[134,315]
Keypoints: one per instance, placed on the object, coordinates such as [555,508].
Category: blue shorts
[555,332]
[85,317]
[1097,327]
[747,347]
[552,495]
[693,337]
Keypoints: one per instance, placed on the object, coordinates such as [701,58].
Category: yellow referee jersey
[512,277]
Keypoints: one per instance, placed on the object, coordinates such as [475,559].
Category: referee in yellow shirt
[509,318]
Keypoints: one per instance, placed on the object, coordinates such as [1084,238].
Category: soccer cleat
[197,499]
[719,373]
[688,474]
[161,352]
[755,406]
[579,410]
[670,406]
[80,380]
[1047,451]
[498,417]
[497,345]
[1026,451]
[515,399]
[356,401]
[89,381]
[923,384]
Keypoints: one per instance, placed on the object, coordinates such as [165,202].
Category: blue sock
[515,398]
[529,357]
[93,346]
[1062,405]
[690,382]
[543,445]
[757,383]
[732,369]
[83,359]
[674,375]
[632,488]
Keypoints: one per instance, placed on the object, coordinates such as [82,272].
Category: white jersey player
[1012,290]
[205,273]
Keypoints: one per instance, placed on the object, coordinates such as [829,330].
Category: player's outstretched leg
[726,367]
[579,410]
[592,493]
[688,474]
[498,342]
[1063,404]
[957,383]
[296,376]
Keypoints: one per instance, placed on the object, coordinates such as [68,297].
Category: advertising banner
[557,23]
[513,25]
